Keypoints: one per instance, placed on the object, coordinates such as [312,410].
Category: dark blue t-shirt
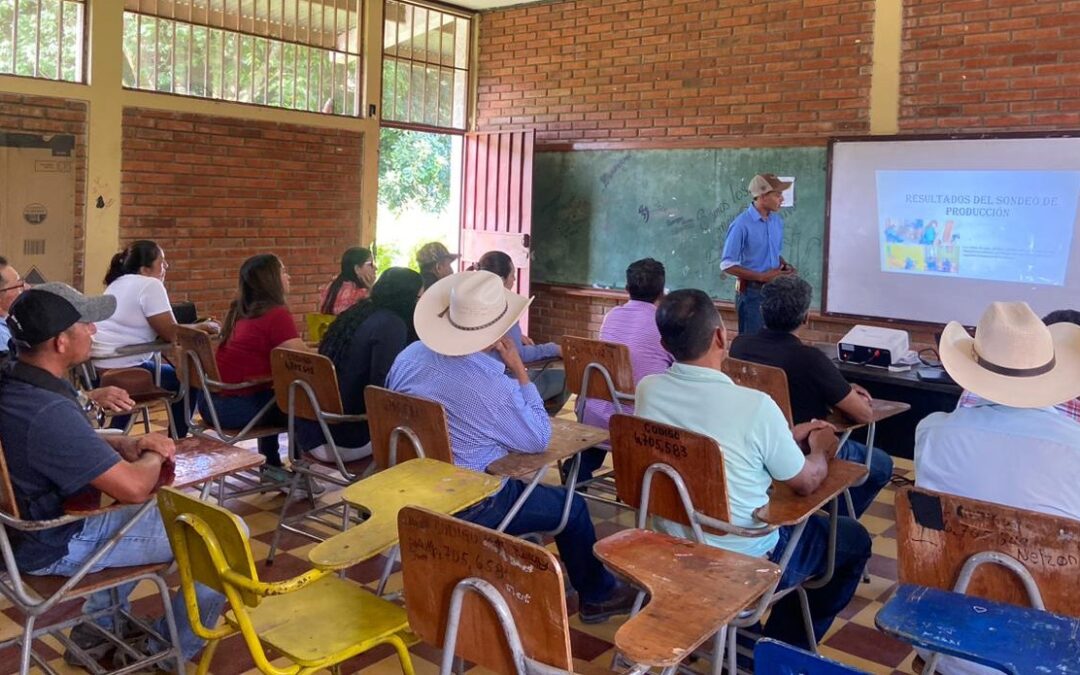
[52,453]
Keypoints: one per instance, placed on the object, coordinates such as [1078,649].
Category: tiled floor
[852,639]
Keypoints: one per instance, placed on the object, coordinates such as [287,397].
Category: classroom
[834,234]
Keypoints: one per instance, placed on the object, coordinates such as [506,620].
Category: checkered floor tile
[852,638]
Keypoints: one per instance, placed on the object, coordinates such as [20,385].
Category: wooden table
[568,440]
[785,507]
[427,483]
[696,589]
[882,410]
[198,462]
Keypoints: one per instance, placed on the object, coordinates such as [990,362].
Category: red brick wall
[213,191]
[676,69]
[564,310]
[35,114]
[990,65]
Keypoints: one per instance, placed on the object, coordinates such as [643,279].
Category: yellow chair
[316,620]
[317,324]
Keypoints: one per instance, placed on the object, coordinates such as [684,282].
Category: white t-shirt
[137,297]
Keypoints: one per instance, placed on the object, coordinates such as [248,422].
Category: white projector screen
[936,229]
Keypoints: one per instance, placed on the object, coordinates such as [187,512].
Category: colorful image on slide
[917,258]
[1013,226]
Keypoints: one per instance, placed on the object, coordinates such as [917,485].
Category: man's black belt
[747,285]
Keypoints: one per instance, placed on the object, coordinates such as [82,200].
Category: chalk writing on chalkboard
[595,212]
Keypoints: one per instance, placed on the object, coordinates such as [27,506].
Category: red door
[496,204]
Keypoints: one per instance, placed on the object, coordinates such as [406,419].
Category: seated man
[632,324]
[490,414]
[11,284]
[53,454]
[1010,443]
[758,448]
[814,382]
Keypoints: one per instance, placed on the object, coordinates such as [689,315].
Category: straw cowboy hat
[466,313]
[1014,359]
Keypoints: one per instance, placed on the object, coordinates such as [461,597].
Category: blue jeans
[809,560]
[145,543]
[748,307]
[881,468]
[234,412]
[169,381]
[542,511]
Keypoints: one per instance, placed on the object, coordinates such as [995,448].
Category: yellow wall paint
[885,73]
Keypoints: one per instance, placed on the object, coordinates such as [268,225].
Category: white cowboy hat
[1014,359]
[466,313]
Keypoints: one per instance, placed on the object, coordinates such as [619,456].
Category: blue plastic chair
[777,658]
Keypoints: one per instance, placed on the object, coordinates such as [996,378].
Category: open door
[496,204]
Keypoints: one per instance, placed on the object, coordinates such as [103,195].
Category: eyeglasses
[21,284]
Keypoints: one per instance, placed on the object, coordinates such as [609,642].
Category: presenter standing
[752,249]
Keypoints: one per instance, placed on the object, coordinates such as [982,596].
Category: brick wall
[213,191]
[565,310]
[984,65]
[40,115]
[676,69]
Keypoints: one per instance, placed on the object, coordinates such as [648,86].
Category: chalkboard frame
[833,141]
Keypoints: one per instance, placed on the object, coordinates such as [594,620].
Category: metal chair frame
[749,617]
[249,482]
[303,470]
[21,595]
[87,377]
[973,563]
[605,482]
[523,664]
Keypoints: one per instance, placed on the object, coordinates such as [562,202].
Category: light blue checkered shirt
[489,413]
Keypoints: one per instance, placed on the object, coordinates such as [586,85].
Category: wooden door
[496,204]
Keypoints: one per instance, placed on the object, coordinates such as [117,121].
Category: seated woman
[551,382]
[352,285]
[363,343]
[258,321]
[136,278]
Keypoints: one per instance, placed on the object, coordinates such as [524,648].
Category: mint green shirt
[750,429]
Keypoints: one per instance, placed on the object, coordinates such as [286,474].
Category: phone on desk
[933,375]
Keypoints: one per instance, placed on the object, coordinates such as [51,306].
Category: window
[42,38]
[297,54]
[425,66]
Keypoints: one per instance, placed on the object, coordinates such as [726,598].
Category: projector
[872,346]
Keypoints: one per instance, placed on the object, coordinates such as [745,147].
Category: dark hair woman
[136,278]
[363,343]
[352,285]
[258,321]
[550,382]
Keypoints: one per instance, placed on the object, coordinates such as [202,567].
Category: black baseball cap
[45,311]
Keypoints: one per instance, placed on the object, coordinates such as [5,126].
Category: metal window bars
[43,39]
[296,54]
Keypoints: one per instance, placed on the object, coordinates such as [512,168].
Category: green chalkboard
[596,211]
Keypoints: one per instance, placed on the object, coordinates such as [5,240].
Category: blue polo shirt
[753,242]
[52,454]
[5,335]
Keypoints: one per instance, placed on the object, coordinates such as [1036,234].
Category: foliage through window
[42,38]
[297,54]
[425,66]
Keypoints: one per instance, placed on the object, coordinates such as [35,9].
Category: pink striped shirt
[633,325]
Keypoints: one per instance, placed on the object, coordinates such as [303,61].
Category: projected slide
[1012,226]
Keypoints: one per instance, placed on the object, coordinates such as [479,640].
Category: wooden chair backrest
[287,365]
[225,528]
[638,443]
[438,551]
[195,344]
[8,503]
[938,532]
[768,379]
[388,410]
[577,353]
[135,381]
